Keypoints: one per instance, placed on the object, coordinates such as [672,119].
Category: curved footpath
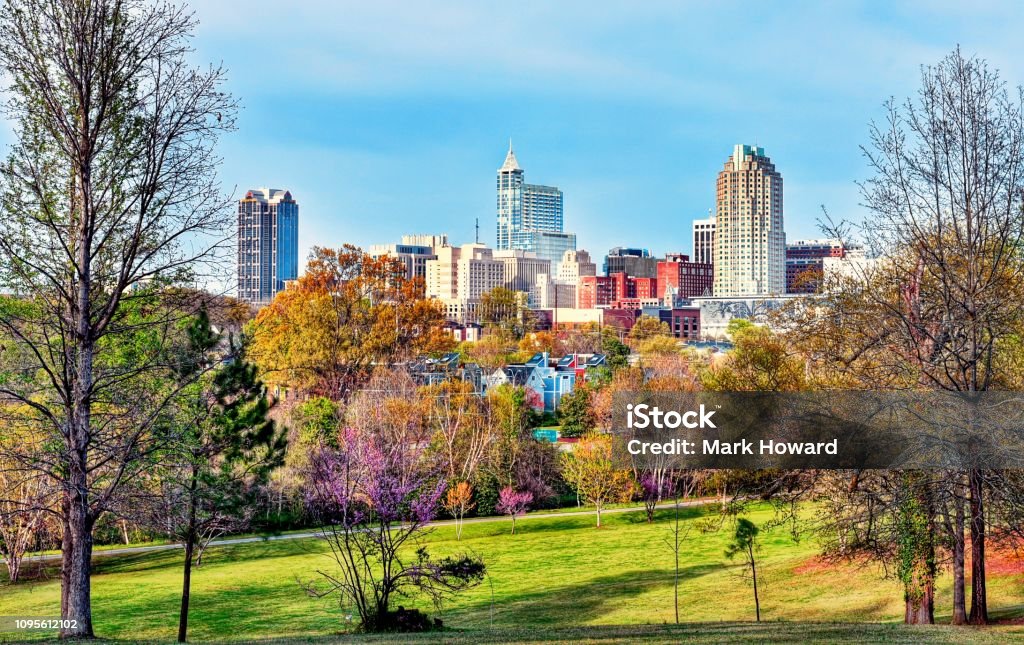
[312,534]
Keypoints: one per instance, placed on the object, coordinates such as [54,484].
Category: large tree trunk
[979,596]
[65,548]
[186,590]
[13,562]
[921,610]
[77,556]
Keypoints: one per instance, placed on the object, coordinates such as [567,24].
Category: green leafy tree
[316,421]
[744,544]
[512,417]
[590,470]
[616,351]
[505,310]
[576,412]
[648,327]
[658,346]
[760,361]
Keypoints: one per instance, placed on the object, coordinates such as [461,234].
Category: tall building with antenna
[530,216]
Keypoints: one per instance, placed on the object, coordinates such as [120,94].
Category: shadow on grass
[576,603]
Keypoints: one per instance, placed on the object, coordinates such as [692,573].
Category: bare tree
[24,504]
[462,436]
[108,195]
[947,285]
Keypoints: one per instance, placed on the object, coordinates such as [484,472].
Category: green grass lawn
[557,579]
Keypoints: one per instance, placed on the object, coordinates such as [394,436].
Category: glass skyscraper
[550,245]
[526,210]
[268,243]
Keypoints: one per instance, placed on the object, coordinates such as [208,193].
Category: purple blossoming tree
[655,486]
[512,502]
[374,503]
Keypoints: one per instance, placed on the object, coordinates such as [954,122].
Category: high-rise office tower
[268,243]
[704,240]
[750,244]
[525,210]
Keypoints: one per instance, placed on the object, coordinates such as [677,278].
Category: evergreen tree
[227,446]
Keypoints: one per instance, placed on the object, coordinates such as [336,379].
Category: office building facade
[268,243]
[805,263]
[414,251]
[526,210]
[704,240]
[636,263]
[460,275]
[523,272]
[683,279]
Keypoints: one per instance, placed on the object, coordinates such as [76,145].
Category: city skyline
[386,119]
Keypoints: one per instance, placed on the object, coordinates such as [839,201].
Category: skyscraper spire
[511,163]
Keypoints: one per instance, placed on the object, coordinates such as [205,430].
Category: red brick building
[595,291]
[683,321]
[605,291]
[805,260]
[688,279]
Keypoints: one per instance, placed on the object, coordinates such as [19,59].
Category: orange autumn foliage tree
[348,312]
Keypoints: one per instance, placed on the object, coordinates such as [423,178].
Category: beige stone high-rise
[750,244]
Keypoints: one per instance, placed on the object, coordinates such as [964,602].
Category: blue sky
[386,118]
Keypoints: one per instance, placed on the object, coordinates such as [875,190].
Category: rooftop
[269,195]
[511,164]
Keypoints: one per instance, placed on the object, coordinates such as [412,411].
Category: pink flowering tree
[374,503]
[513,503]
[655,486]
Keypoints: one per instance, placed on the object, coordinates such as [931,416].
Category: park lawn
[555,573]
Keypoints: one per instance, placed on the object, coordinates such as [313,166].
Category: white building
[715,313]
[554,293]
[750,243]
[573,266]
[704,240]
[522,272]
[414,251]
[460,276]
[854,265]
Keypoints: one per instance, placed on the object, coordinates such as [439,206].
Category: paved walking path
[312,534]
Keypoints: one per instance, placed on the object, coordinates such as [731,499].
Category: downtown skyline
[391,119]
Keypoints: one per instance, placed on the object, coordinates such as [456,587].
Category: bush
[408,620]
[486,492]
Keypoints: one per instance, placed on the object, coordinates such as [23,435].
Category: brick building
[805,260]
[608,291]
[683,321]
[687,279]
